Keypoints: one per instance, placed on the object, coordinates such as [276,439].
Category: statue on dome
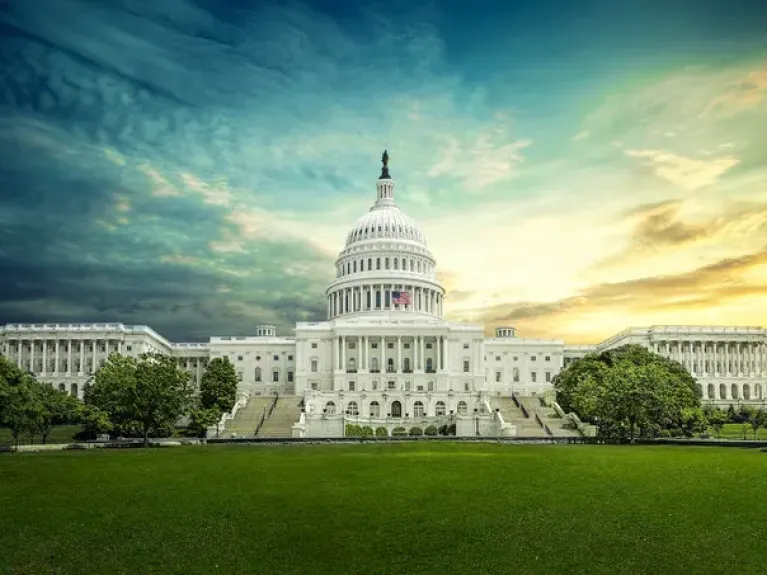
[385,169]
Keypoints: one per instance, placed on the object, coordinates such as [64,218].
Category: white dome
[385,222]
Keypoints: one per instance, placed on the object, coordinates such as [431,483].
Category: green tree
[57,408]
[93,421]
[755,418]
[716,418]
[218,388]
[201,419]
[150,392]
[20,407]
[628,392]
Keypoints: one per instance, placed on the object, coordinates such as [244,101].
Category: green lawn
[402,508]
[59,434]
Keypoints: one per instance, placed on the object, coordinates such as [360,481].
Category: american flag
[400,298]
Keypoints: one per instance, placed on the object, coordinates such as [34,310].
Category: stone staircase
[246,419]
[526,427]
[557,425]
[286,413]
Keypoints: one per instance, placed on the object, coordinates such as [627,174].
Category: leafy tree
[150,393]
[755,418]
[57,408]
[20,407]
[693,421]
[732,416]
[716,418]
[200,419]
[218,387]
[94,421]
[382,432]
[628,392]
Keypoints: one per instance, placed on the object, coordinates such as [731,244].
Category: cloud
[687,173]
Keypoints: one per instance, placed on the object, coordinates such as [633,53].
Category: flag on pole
[400,298]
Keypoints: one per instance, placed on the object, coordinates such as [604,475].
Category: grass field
[402,508]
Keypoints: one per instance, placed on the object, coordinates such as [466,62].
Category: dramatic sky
[577,166]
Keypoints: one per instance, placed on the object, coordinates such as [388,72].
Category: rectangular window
[275,376]
[466,367]
[428,346]
[276,358]
[314,346]
[352,345]
[390,345]
[239,358]
[548,377]
[314,385]
[497,376]
[239,376]
[374,345]
[547,358]
[375,385]
[314,366]
[466,386]
[290,358]
[391,385]
[351,386]
[465,346]
[406,345]
[129,347]
[533,358]
[533,376]
[290,377]
[497,358]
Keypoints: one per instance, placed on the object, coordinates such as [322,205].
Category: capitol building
[386,357]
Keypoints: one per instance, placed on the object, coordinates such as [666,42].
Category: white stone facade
[378,360]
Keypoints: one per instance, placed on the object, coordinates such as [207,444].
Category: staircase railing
[266,414]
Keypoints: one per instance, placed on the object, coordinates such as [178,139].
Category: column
[93,357]
[58,359]
[726,358]
[439,354]
[32,355]
[363,352]
[45,356]
[70,342]
[416,350]
[82,355]
[343,353]
[382,363]
[421,354]
[399,354]
[334,358]
[446,355]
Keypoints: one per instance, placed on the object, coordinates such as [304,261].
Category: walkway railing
[266,414]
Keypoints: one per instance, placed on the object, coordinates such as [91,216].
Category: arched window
[390,365]
[758,391]
[700,390]
[722,391]
[352,365]
[396,409]
[746,392]
[355,266]
[330,408]
[462,408]
[275,375]
[406,364]
[418,409]
[374,364]
[378,263]
[386,263]
[396,264]
[352,408]
[370,264]
[73,390]
[734,391]
[440,408]
[258,374]
[367,300]
[375,409]
[314,366]
[711,391]
[515,374]
[404,264]
[412,265]
[362,265]
[62,387]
